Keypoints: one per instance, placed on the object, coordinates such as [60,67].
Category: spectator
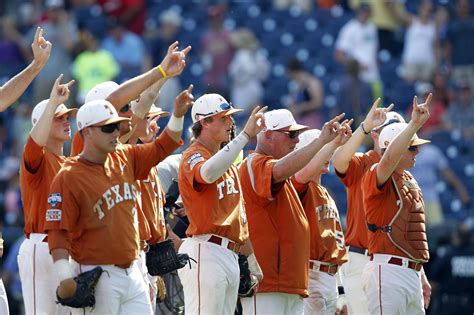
[460,44]
[248,70]
[354,95]
[13,52]
[419,56]
[461,112]
[216,52]
[128,50]
[437,109]
[358,40]
[430,164]
[93,66]
[90,16]
[307,98]
[130,13]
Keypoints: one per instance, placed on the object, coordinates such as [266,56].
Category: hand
[376,116]
[173,237]
[179,211]
[256,121]
[330,129]
[41,48]
[183,102]
[420,112]
[344,133]
[60,92]
[426,287]
[67,288]
[174,61]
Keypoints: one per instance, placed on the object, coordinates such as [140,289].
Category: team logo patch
[53,215]
[194,159]
[54,199]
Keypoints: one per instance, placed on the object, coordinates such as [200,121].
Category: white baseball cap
[101,91]
[97,113]
[60,110]
[211,104]
[392,117]
[153,112]
[306,137]
[389,133]
[280,119]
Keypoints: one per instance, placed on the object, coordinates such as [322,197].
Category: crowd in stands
[315,57]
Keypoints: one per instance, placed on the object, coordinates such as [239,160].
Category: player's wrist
[64,269]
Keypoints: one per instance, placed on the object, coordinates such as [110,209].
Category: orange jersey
[327,238]
[215,208]
[382,205]
[77,144]
[96,203]
[152,206]
[278,227]
[356,229]
[37,170]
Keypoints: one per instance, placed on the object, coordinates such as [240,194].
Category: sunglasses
[109,128]
[125,108]
[412,148]
[223,107]
[291,134]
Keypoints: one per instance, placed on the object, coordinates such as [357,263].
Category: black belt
[358,250]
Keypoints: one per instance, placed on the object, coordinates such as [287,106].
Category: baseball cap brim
[153,114]
[419,141]
[297,127]
[111,121]
[226,112]
[71,111]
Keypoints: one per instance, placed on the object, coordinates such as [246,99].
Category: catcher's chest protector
[408,225]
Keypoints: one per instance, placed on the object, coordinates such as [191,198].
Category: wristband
[175,123]
[363,129]
[162,71]
[64,269]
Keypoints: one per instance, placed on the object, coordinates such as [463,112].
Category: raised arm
[399,145]
[293,162]
[172,65]
[17,85]
[183,102]
[59,94]
[374,118]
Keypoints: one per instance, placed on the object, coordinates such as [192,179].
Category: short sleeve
[191,169]
[260,170]
[354,172]
[343,40]
[33,156]
[369,182]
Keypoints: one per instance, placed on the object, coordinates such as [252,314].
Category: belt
[399,262]
[359,250]
[232,246]
[331,269]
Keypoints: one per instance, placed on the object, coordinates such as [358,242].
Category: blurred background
[315,57]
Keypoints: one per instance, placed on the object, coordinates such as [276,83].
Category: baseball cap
[306,137]
[211,104]
[60,110]
[97,113]
[101,91]
[392,117]
[281,118]
[153,112]
[391,131]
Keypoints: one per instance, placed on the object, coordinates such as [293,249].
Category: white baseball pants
[351,274]
[272,303]
[323,294]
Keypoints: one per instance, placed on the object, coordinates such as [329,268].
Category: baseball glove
[161,258]
[85,289]
[248,284]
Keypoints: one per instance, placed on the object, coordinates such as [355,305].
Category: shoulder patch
[53,215]
[194,159]
[54,199]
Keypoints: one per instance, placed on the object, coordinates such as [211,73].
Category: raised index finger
[337,118]
[38,34]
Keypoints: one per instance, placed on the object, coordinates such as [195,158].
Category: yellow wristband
[162,71]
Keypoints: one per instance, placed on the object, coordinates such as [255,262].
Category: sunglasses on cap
[223,107]
[412,148]
[291,134]
[109,128]
[125,108]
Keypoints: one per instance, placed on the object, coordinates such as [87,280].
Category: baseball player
[328,250]
[15,87]
[395,219]
[211,193]
[350,167]
[40,162]
[121,95]
[98,224]
[278,226]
